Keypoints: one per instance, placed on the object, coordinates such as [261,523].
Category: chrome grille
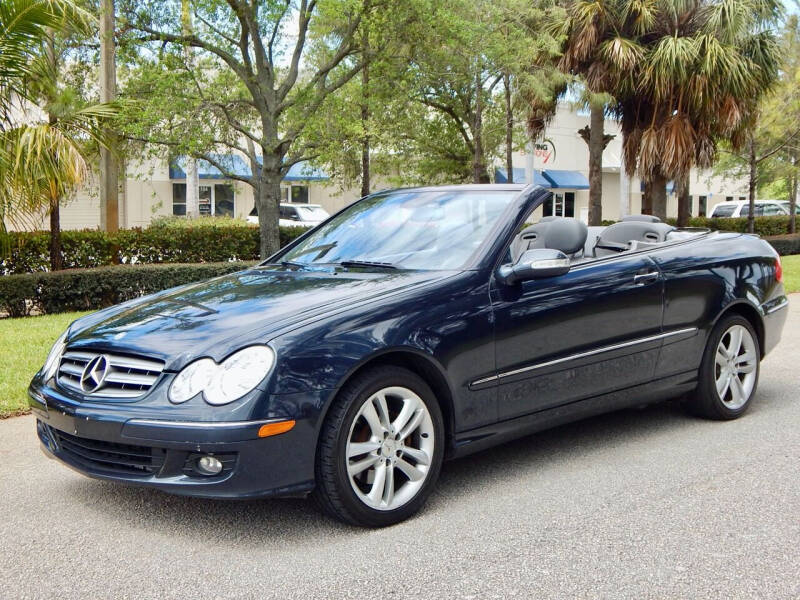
[123,376]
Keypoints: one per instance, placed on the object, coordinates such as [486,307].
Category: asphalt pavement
[646,503]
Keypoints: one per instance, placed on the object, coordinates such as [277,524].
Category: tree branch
[449,111]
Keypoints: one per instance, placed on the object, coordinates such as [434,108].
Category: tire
[369,472]
[725,360]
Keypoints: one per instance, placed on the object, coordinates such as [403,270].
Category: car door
[561,339]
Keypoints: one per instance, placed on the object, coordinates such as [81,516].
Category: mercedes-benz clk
[413,326]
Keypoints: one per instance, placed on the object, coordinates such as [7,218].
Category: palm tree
[23,26]
[41,163]
[685,74]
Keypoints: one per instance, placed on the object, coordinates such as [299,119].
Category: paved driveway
[638,504]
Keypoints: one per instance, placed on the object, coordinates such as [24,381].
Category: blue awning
[303,171]
[566,180]
[500,176]
[238,165]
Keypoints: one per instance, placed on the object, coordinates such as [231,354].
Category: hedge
[92,289]
[785,244]
[28,252]
[764,226]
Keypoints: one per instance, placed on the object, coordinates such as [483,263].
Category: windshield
[312,213]
[723,210]
[406,229]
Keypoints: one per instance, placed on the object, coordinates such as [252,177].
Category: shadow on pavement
[298,521]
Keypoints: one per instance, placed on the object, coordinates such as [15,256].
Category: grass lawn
[791,273]
[24,344]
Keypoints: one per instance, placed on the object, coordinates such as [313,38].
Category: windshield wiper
[287,263]
[366,263]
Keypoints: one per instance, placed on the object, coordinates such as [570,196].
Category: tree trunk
[267,192]
[365,174]
[479,174]
[509,130]
[56,260]
[684,202]
[658,193]
[109,170]
[751,184]
[192,175]
[647,198]
[596,146]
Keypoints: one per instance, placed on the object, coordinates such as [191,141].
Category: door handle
[645,278]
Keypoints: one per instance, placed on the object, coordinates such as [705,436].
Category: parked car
[295,215]
[741,208]
[788,207]
[413,326]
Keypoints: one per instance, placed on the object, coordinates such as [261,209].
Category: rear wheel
[380,448]
[729,371]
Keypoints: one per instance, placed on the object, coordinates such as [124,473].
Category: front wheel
[729,371]
[380,448]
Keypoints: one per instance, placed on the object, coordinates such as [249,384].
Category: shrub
[764,226]
[92,289]
[204,221]
[785,244]
[169,241]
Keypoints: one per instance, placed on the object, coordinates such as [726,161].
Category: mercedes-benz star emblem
[94,374]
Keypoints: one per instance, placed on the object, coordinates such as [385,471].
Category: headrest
[642,218]
[626,231]
[567,235]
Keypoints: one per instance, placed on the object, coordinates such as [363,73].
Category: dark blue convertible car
[413,326]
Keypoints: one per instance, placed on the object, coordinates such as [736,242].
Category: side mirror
[535,264]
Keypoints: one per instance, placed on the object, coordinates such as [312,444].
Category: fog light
[209,465]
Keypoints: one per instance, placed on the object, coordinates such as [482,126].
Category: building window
[702,206]
[205,201]
[742,198]
[728,198]
[560,205]
[299,194]
[218,199]
[223,200]
[179,199]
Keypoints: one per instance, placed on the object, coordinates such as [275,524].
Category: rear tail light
[778,269]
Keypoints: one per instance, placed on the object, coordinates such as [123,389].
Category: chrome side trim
[550,363]
[203,424]
[783,304]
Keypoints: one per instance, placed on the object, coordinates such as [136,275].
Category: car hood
[214,317]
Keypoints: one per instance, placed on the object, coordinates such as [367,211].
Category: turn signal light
[275,428]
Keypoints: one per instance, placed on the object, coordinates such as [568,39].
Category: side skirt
[475,440]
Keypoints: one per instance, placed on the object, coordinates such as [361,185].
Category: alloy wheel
[736,365]
[390,448]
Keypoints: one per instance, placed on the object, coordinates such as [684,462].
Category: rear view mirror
[535,264]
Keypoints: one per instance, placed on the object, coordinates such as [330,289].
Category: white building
[561,163]
[155,188]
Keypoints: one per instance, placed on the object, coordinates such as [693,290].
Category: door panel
[566,338]
[695,286]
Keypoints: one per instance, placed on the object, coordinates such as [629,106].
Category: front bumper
[107,444]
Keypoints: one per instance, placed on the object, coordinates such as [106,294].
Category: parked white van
[741,208]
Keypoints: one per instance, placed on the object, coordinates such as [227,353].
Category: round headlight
[239,373]
[192,380]
[51,363]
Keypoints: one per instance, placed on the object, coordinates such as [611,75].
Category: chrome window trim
[602,350]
